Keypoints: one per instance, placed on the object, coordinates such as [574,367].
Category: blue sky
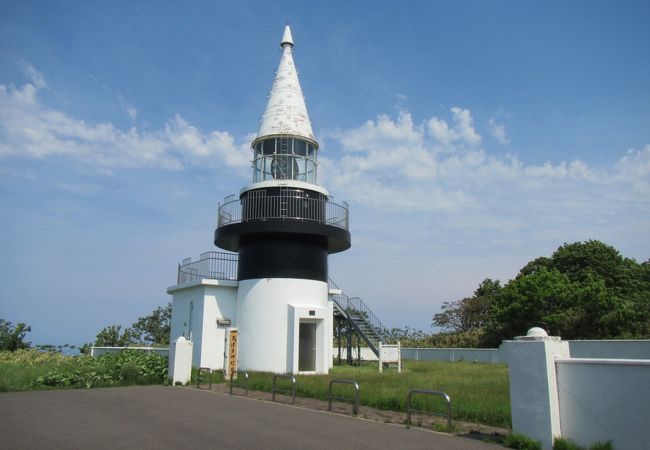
[468,138]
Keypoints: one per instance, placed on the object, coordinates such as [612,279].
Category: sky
[468,137]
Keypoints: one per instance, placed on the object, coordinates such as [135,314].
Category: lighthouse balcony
[304,217]
[290,205]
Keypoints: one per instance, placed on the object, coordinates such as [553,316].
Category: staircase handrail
[356,304]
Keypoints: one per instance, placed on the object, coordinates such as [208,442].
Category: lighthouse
[275,313]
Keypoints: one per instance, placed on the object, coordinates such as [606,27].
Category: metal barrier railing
[211,265]
[289,206]
[198,377]
[239,385]
[355,399]
[291,391]
[409,410]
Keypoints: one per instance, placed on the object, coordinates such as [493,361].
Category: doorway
[307,347]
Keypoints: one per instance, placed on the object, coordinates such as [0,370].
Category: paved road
[160,417]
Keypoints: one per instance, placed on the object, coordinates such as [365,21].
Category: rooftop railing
[211,265]
[283,207]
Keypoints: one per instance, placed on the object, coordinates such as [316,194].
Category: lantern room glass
[285,158]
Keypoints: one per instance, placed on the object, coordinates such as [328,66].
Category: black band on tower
[282,256]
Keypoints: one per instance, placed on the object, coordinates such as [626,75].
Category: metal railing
[212,265]
[243,385]
[409,410]
[291,391]
[198,377]
[355,399]
[283,207]
[355,307]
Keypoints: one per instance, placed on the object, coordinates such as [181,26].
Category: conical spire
[286,112]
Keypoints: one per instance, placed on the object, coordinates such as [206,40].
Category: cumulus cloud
[36,77]
[394,166]
[462,129]
[498,131]
[29,129]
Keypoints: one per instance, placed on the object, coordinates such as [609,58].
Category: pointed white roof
[285,111]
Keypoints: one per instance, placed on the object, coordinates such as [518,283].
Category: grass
[479,392]
[16,377]
[34,370]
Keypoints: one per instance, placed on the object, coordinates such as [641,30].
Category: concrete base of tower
[284,325]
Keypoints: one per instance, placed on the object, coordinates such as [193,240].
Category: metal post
[338,326]
[409,410]
[358,349]
[348,343]
[355,399]
[232,383]
[284,391]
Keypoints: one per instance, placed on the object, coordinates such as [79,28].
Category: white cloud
[36,77]
[462,130]
[498,131]
[132,112]
[29,129]
[464,125]
[394,166]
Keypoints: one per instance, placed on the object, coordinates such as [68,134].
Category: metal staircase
[360,318]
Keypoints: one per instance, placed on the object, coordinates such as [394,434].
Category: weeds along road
[172,417]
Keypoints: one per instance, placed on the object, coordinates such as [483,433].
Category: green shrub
[566,444]
[521,442]
[122,368]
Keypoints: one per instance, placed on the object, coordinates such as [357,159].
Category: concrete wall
[605,400]
[98,351]
[196,306]
[483,355]
[612,349]
[587,400]
[219,302]
[366,353]
[268,311]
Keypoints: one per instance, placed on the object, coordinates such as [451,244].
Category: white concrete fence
[98,351]
[587,400]
[614,349]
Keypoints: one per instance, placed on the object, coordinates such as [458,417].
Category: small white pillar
[180,361]
[533,384]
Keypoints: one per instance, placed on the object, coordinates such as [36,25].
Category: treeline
[151,330]
[585,290]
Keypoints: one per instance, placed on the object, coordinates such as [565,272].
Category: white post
[381,362]
[533,384]
[399,357]
[180,361]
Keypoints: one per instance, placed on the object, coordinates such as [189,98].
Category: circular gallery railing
[211,265]
[290,206]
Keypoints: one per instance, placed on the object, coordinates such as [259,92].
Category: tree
[155,328]
[470,313]
[12,337]
[110,337]
[585,290]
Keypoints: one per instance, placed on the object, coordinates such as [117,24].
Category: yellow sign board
[232,352]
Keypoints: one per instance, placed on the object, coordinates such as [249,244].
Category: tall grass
[33,369]
[479,392]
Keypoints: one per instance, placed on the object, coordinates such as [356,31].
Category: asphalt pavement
[159,417]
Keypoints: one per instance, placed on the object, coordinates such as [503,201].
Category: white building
[268,307]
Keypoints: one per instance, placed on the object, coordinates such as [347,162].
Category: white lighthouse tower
[283,226]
